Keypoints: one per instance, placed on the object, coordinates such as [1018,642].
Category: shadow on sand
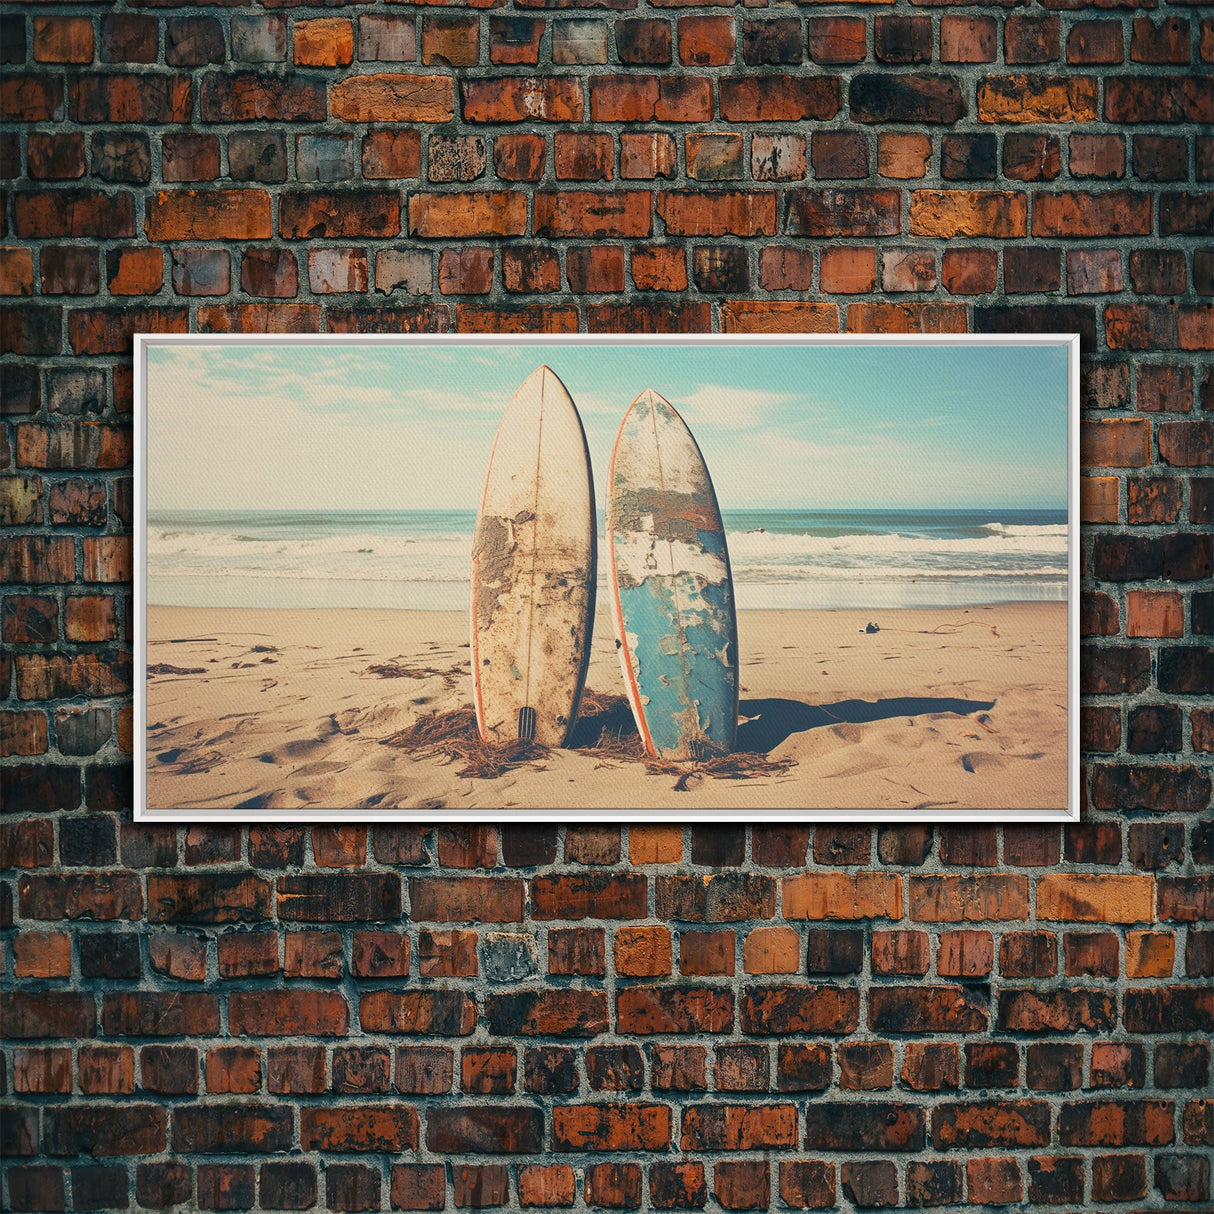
[775,720]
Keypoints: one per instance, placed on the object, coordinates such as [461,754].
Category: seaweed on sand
[453,735]
[605,729]
[741,765]
[394,670]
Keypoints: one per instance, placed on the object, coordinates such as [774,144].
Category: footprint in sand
[861,765]
[976,761]
[849,733]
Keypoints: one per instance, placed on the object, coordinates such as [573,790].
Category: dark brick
[919,97]
[869,1126]
[288,1186]
[109,955]
[830,951]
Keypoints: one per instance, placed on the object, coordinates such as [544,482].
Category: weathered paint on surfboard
[533,567]
[672,592]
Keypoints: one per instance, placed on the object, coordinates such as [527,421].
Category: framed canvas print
[682,578]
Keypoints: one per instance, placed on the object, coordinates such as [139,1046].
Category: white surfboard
[533,569]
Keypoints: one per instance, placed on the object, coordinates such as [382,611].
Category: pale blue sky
[410,426]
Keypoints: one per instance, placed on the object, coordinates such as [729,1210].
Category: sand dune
[284,713]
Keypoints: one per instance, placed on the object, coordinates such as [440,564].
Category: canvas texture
[427,1017]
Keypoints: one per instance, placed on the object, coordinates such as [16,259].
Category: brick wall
[413,1018]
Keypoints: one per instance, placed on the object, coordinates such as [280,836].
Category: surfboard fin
[526,724]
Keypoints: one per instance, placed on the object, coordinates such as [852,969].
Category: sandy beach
[281,711]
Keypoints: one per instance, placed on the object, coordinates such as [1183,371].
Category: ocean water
[419,559]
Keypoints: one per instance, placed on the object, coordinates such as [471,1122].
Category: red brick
[131,1129]
[55,157]
[233,1070]
[870,1126]
[466,271]
[966,39]
[849,271]
[546,1186]
[734,1127]
[903,156]
[1168,42]
[994,1181]
[842,896]
[389,97]
[280,1013]
[706,41]
[1150,954]
[548,1013]
[836,39]
[425,1070]
[129,98]
[1110,213]
[74,213]
[807,1184]
[487,1070]
[450,41]
[418,1186]
[523,99]
[595,270]
[106,1070]
[583,157]
[1099,156]
[179,956]
[209,215]
[931,1067]
[466,899]
[519,157]
[586,213]
[380,1128]
[642,952]
[1098,42]
[799,1009]
[926,1009]
[866,1066]
[63,40]
[898,39]
[467,214]
[647,1010]
[32,97]
[1024,98]
[742,1184]
[477,1129]
[1107,898]
[1116,1123]
[965,954]
[706,953]
[324,42]
[659,268]
[477,1186]
[900,952]
[1034,39]
[537,318]
[254,96]
[613,1186]
[996,1123]
[42,955]
[391,154]
[774,98]
[515,40]
[437,1012]
[42,1070]
[292,1069]
[1118,1064]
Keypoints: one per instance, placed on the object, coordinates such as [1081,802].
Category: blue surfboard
[671,588]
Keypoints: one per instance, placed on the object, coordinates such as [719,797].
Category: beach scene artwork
[889,527]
